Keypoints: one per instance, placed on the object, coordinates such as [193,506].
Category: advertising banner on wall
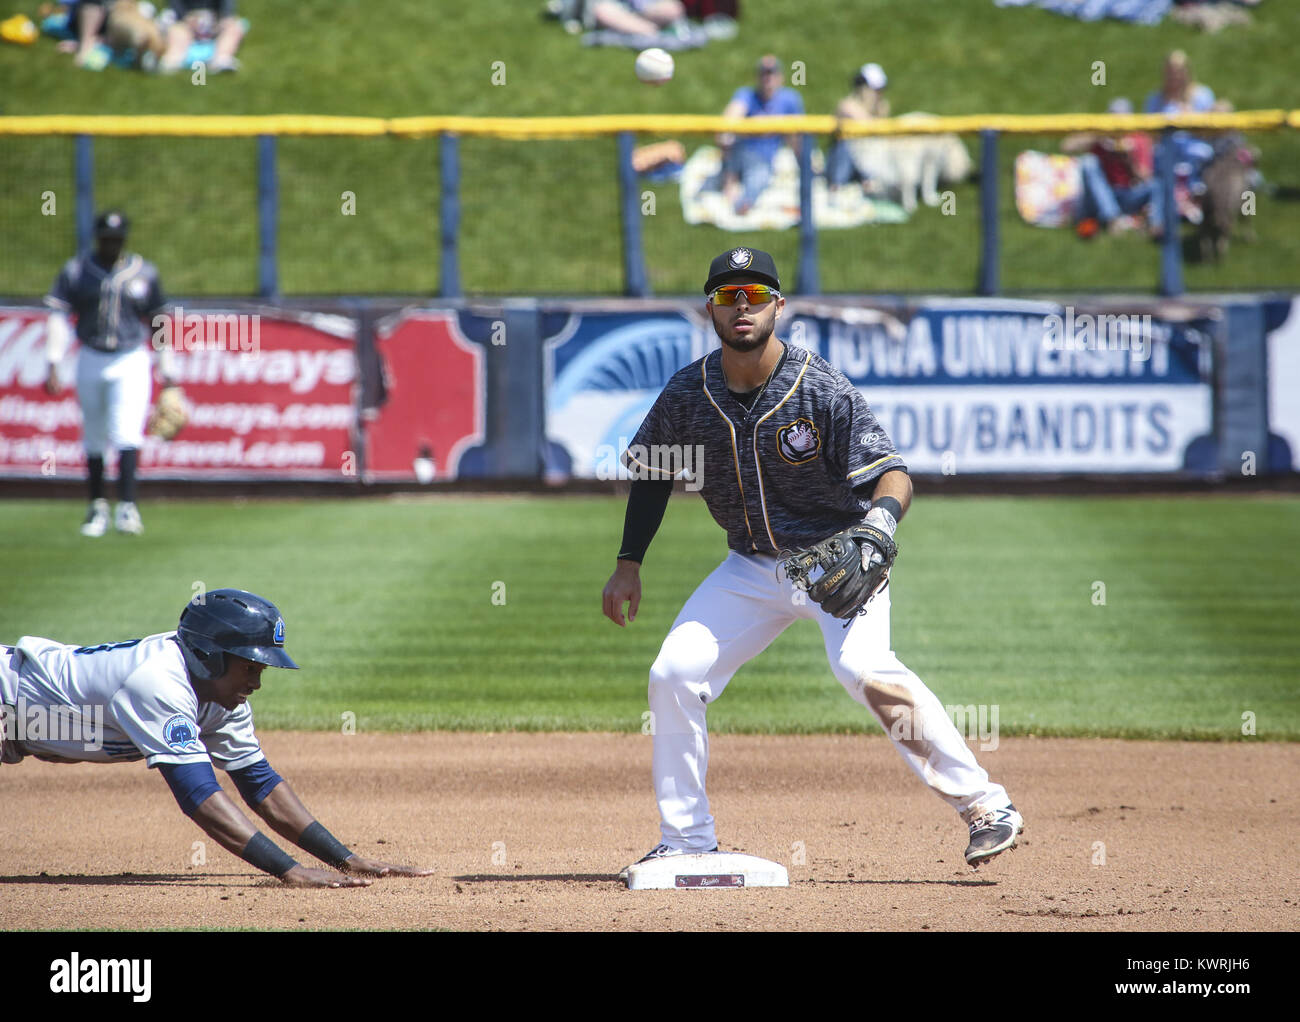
[270,395]
[1283,357]
[604,371]
[1007,386]
[434,387]
[960,385]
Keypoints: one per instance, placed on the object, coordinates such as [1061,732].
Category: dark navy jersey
[111,307]
[792,470]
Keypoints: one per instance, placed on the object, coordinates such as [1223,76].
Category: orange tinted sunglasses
[755,294]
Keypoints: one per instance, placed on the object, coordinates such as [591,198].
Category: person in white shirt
[179,701]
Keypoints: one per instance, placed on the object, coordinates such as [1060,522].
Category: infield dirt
[528,831]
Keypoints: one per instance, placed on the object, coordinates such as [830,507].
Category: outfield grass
[541,218]
[390,610]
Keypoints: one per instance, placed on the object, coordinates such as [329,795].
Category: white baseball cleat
[992,832]
[96,523]
[661,851]
[127,518]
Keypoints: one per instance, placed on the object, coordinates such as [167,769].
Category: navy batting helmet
[231,621]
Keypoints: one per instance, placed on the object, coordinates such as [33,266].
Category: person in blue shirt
[1180,93]
[747,159]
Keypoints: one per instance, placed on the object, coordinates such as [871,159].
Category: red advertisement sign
[434,378]
[271,396]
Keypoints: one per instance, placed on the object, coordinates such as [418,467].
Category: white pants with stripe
[113,389]
[732,617]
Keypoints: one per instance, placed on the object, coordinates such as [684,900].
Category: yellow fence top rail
[578,127]
[191,126]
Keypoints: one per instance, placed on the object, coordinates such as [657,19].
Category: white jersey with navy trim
[118,702]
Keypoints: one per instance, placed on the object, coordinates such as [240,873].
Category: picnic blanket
[777,208]
[1049,188]
[690,39]
[1139,12]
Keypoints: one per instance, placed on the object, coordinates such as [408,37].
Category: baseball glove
[169,415]
[854,567]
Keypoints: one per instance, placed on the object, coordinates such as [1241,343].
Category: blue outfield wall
[531,389]
[973,386]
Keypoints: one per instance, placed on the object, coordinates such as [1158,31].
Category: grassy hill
[542,217]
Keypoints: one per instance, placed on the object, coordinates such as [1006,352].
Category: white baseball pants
[732,617]
[113,389]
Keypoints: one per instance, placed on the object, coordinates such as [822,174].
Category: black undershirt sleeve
[646,504]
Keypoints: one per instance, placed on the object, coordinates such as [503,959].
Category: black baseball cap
[111,223]
[749,264]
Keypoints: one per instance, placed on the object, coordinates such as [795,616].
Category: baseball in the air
[654,66]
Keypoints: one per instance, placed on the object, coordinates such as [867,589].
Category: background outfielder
[179,701]
[792,455]
[112,294]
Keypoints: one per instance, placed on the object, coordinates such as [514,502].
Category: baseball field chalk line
[712,871]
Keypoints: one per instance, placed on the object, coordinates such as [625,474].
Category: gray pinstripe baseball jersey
[785,474]
[111,306]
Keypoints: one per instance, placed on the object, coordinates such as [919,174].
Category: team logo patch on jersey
[741,258]
[180,734]
[799,442]
[279,631]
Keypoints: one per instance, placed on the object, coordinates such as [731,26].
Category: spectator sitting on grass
[111,33]
[747,159]
[204,19]
[864,102]
[86,18]
[1118,178]
[130,28]
[1180,93]
[637,17]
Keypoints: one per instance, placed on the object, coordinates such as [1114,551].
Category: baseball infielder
[112,294]
[792,454]
[179,701]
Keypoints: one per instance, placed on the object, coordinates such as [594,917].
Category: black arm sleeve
[869,487]
[646,504]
